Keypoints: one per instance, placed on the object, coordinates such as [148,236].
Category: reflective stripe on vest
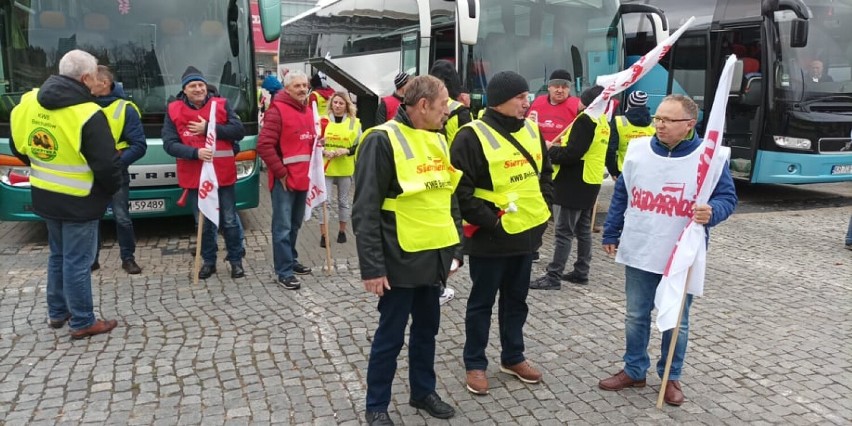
[341,135]
[52,139]
[594,160]
[116,117]
[423,211]
[626,133]
[296,159]
[516,185]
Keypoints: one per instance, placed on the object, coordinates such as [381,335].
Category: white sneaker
[447,295]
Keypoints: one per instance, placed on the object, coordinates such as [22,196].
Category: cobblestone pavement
[769,340]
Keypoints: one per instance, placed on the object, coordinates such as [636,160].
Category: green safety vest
[451,127]
[341,135]
[51,139]
[513,179]
[116,114]
[424,219]
[628,132]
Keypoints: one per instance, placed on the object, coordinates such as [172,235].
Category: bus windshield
[147,44]
[823,68]
[534,38]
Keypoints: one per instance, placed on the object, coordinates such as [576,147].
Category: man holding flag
[285,144]
[206,165]
[652,203]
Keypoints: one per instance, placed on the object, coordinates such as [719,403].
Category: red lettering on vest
[437,165]
[663,202]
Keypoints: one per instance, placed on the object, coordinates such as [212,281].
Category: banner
[614,84]
[316,190]
[208,185]
[688,258]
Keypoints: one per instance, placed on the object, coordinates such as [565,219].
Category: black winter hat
[561,75]
[400,80]
[505,85]
[445,71]
[191,74]
[589,95]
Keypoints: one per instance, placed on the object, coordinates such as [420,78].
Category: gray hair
[689,106]
[77,63]
[422,87]
[292,75]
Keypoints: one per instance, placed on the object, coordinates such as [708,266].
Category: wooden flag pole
[594,214]
[672,344]
[197,266]
[327,239]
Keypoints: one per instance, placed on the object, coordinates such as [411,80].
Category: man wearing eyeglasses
[650,206]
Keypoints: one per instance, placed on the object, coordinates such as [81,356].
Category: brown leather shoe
[477,383]
[99,327]
[523,371]
[620,381]
[674,395]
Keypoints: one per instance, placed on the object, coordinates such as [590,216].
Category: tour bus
[783,124]
[148,45]
[362,44]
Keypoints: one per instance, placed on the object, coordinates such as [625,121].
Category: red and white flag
[316,173]
[208,185]
[614,84]
[691,248]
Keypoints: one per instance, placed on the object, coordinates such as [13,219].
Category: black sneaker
[434,406]
[545,283]
[96,266]
[237,270]
[322,241]
[573,277]
[341,237]
[290,283]
[378,418]
[131,267]
[536,257]
[207,270]
[300,269]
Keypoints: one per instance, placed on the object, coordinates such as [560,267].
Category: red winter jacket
[286,141]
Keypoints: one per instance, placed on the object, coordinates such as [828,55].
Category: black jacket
[379,253]
[97,147]
[467,155]
[569,189]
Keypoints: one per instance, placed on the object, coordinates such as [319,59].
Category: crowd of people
[432,187]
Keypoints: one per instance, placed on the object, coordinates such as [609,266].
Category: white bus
[362,44]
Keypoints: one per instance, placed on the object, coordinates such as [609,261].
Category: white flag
[614,84]
[316,174]
[691,248]
[208,185]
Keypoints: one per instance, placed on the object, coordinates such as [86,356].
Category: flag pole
[327,239]
[197,266]
[672,344]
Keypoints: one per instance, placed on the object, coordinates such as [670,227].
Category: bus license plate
[154,205]
[841,169]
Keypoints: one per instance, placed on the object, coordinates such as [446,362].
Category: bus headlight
[13,172]
[793,143]
[245,168]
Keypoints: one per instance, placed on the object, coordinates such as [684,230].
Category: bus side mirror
[467,14]
[270,18]
[798,33]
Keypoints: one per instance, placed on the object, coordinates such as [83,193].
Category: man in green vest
[62,134]
[408,230]
[581,157]
[505,191]
[126,127]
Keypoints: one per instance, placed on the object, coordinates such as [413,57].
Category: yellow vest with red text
[628,132]
[341,135]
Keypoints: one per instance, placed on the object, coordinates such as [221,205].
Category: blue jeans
[511,277]
[395,307]
[569,224]
[640,288]
[69,274]
[123,224]
[228,221]
[288,213]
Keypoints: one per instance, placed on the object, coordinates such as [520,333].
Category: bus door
[643,28]
[744,113]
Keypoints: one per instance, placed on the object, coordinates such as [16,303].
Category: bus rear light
[14,172]
[793,143]
[246,162]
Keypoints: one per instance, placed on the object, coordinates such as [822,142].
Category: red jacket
[552,119]
[392,104]
[286,141]
[189,171]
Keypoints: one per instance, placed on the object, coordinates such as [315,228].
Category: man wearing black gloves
[504,195]
[581,158]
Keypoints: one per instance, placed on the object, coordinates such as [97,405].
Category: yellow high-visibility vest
[451,127]
[628,132]
[116,114]
[52,139]
[341,135]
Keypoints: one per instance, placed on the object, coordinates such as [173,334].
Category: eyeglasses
[667,121]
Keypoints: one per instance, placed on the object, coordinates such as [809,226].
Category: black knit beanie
[561,75]
[446,72]
[503,86]
[191,74]
[589,95]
